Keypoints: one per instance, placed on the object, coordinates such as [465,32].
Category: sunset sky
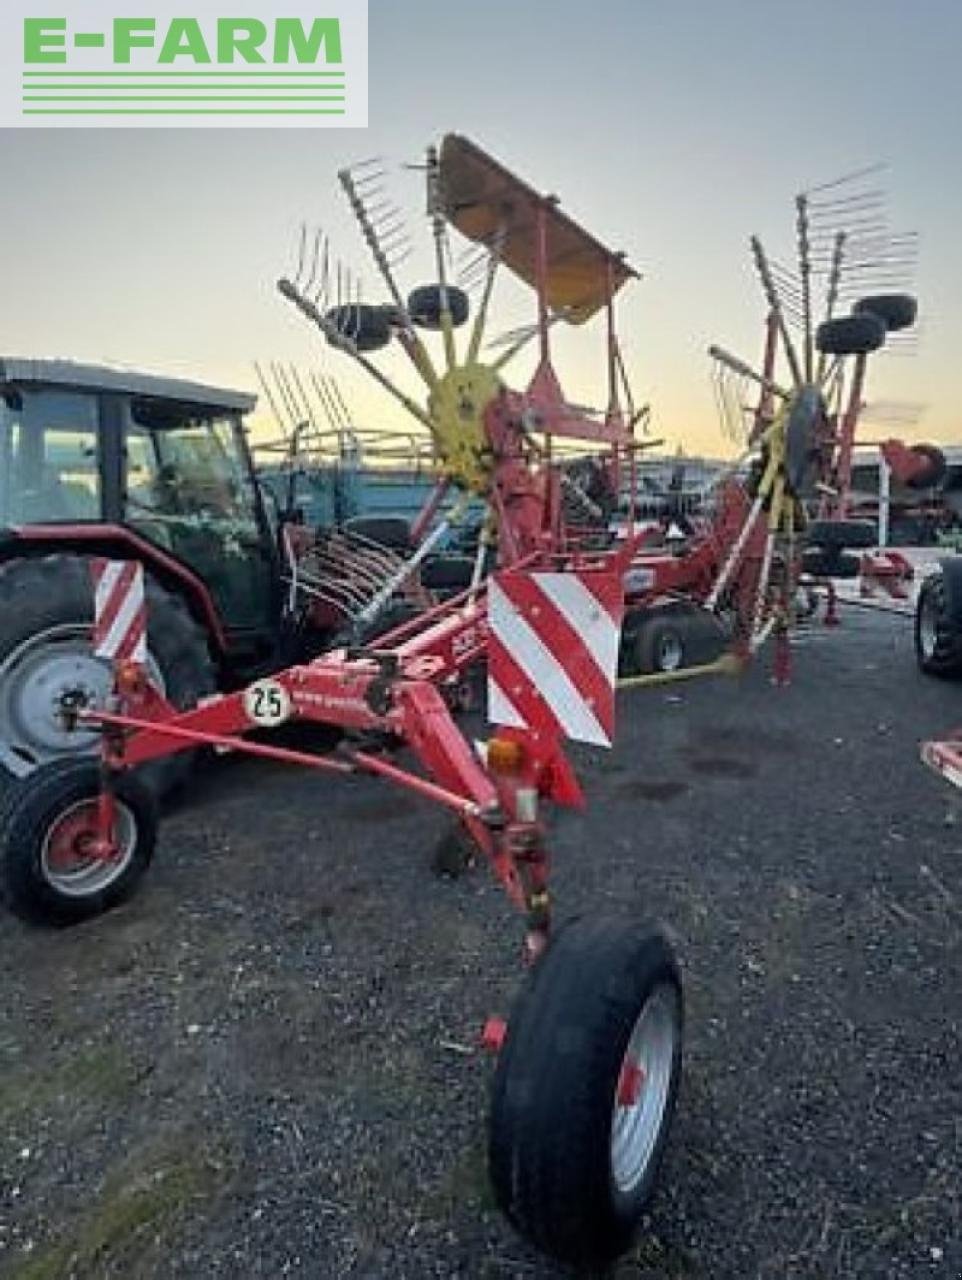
[672,131]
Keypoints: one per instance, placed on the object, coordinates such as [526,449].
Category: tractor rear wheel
[938,637]
[46,614]
[585,1089]
[50,870]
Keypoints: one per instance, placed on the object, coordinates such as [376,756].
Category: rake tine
[314,259]
[269,397]
[301,250]
[290,405]
[854,176]
[366,164]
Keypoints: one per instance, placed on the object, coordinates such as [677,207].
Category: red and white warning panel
[553,652]
[120,610]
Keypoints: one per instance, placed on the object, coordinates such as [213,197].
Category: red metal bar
[846,439]
[198,737]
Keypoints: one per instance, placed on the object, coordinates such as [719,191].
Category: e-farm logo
[96,68]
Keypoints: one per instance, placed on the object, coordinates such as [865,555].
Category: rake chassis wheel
[585,1089]
[55,867]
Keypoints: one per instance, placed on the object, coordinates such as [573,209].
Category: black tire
[663,644]
[38,595]
[369,328]
[28,887]
[938,636]
[850,335]
[553,1101]
[834,535]
[936,467]
[393,532]
[424,306]
[895,310]
[447,573]
[831,563]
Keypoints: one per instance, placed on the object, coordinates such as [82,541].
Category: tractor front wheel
[585,1090]
[54,868]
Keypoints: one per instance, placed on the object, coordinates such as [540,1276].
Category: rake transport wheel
[46,612]
[938,635]
[51,871]
[585,1089]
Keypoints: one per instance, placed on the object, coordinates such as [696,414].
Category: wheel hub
[670,653]
[43,683]
[644,1083]
[75,858]
[928,626]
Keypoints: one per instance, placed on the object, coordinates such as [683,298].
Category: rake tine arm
[412,345]
[481,316]
[746,371]
[775,305]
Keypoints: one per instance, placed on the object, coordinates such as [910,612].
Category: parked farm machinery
[595,1036]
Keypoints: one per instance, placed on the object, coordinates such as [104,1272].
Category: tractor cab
[106,460]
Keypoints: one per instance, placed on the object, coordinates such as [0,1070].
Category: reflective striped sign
[120,610]
[553,652]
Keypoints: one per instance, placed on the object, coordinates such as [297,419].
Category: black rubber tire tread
[447,573]
[850,335]
[838,534]
[935,472]
[830,564]
[424,306]
[369,328]
[393,532]
[896,310]
[25,818]
[946,662]
[653,632]
[549,1147]
[38,593]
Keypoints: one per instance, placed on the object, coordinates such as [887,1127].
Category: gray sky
[672,131]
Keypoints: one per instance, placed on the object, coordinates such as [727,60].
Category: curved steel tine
[314,256]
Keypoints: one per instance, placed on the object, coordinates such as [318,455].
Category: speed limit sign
[267,703]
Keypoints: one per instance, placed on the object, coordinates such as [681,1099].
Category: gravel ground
[261,1066]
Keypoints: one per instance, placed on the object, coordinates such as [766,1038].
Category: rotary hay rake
[812,380]
[596,1033]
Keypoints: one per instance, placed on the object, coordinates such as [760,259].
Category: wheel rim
[644,1086]
[37,678]
[929,614]
[670,652]
[68,858]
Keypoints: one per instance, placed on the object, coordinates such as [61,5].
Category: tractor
[99,462]
[102,462]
